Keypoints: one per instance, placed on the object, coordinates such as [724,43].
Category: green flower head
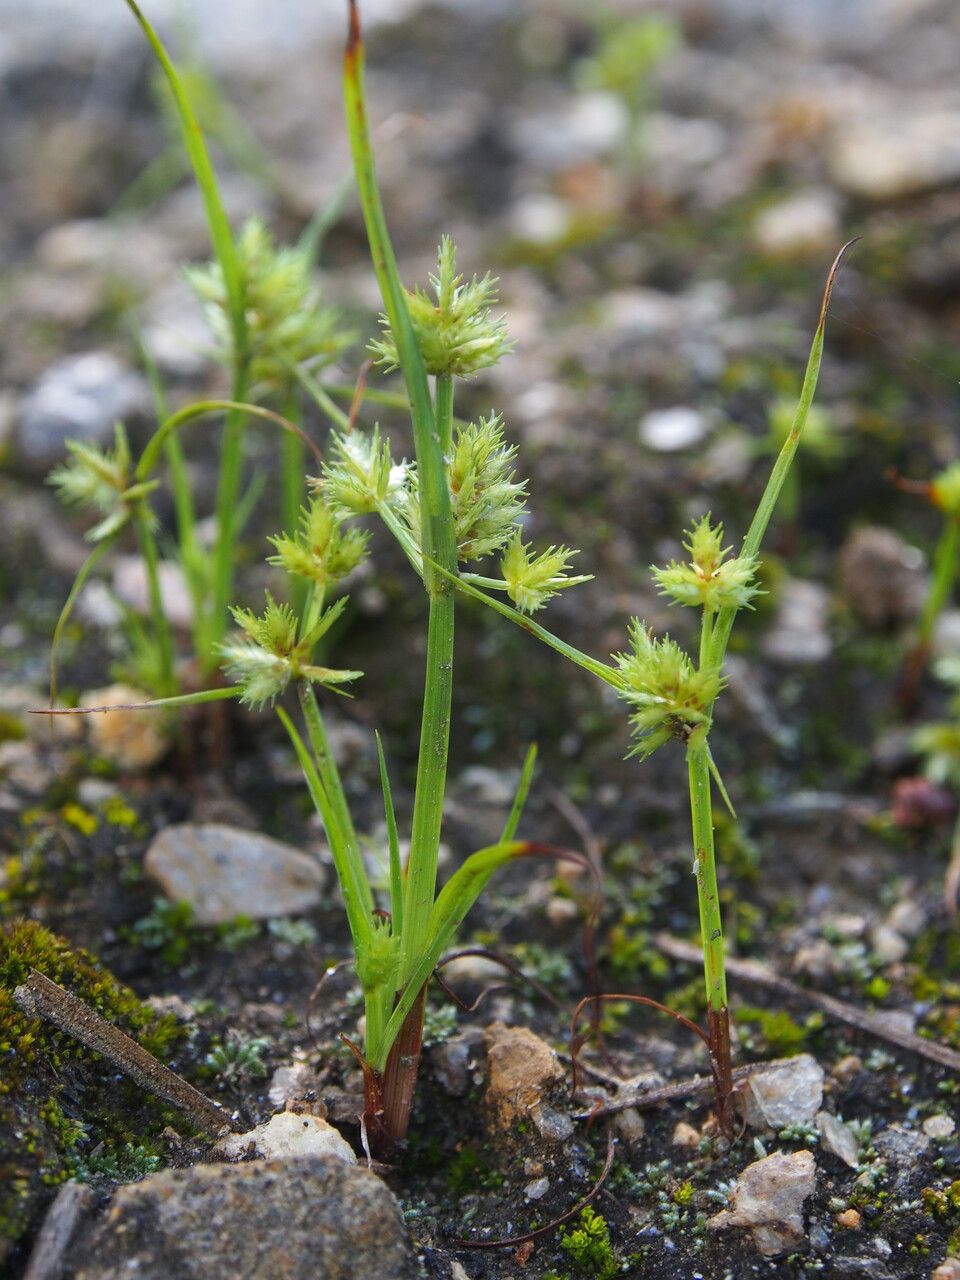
[531,579]
[709,580]
[288,323]
[945,491]
[320,550]
[456,330]
[670,697]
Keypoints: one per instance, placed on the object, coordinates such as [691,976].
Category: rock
[882,577]
[847,1069]
[908,918]
[224,872]
[80,398]
[286,1136]
[572,131]
[630,1126]
[296,1088]
[552,1125]
[455,1061]
[799,633]
[849,1220]
[786,1095]
[939,1126]
[888,946]
[838,1139]
[895,154]
[286,1219]
[686,1136]
[130,586]
[671,430]
[131,740]
[803,224]
[949,1269]
[537,1189]
[540,219]
[902,1149]
[768,1198]
[561,912]
[522,1071]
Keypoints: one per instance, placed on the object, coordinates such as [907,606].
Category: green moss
[589,1246]
[57,1105]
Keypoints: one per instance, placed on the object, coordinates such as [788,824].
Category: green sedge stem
[318,394]
[161,623]
[437,534]
[292,469]
[946,562]
[228,493]
[711,925]
[444,410]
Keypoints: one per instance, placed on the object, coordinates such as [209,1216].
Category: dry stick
[869,1023]
[645,1099]
[38,997]
[47,1260]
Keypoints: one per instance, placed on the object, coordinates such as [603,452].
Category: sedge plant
[672,694]
[457,503]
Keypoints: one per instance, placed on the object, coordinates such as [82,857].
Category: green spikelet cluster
[710,581]
[320,550]
[669,695]
[457,332]
[288,323]
[268,654]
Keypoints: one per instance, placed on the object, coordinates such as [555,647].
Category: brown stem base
[718,1026]
[388,1097]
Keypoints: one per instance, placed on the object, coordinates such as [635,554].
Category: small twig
[59,1226]
[868,1023]
[675,1091]
[38,997]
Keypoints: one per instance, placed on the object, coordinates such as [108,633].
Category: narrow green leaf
[453,902]
[151,452]
[359,917]
[221,236]
[79,581]
[520,799]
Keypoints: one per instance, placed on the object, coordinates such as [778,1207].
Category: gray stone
[882,578]
[281,1219]
[80,398]
[902,1149]
[287,1136]
[889,947]
[537,1189]
[785,1095]
[838,1139]
[224,872]
[768,1198]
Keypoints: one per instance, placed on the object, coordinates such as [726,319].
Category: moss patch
[61,1115]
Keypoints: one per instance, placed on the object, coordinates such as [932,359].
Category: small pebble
[685,1135]
[849,1220]
[537,1189]
[949,1269]
[670,430]
[939,1127]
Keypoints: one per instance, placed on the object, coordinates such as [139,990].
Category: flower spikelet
[362,475]
[670,696]
[268,655]
[100,479]
[532,580]
[288,323]
[320,550]
[456,330]
[709,580]
[945,491]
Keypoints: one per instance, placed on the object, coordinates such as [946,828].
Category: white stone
[288,1136]
[537,1189]
[785,1095]
[673,429]
[768,1198]
[838,1139]
[887,157]
[540,219]
[888,946]
[804,223]
[799,633]
[132,740]
[224,872]
[130,585]
[939,1127]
